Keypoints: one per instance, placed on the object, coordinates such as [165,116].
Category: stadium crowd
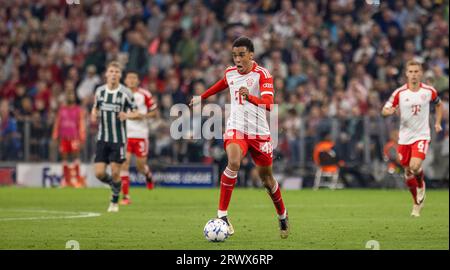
[330,60]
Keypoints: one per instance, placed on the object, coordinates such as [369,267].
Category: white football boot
[113,207]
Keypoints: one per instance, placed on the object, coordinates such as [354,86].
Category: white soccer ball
[216,230]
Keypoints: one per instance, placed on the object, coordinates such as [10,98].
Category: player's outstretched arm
[134,114]
[194,101]
[388,111]
[141,116]
[216,88]
[151,114]
[438,114]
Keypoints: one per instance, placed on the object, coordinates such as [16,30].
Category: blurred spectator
[390,153]
[85,91]
[292,127]
[163,60]
[39,143]
[326,160]
[187,50]
[364,48]
[9,133]
[440,80]
[137,48]
[62,46]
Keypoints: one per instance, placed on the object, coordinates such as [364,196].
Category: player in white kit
[252,93]
[137,135]
[413,102]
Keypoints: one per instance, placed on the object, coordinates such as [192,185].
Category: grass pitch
[167,218]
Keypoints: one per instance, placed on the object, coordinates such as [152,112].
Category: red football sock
[125,177]
[412,184]
[77,169]
[420,179]
[148,177]
[275,195]
[227,182]
[66,175]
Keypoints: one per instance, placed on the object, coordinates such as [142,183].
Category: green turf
[174,219]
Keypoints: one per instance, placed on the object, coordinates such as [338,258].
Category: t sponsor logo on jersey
[415,109]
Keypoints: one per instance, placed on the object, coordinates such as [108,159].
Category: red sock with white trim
[275,195]
[66,175]
[227,183]
[149,177]
[412,184]
[420,179]
[125,177]
[76,168]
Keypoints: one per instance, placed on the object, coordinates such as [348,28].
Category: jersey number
[422,146]
[141,146]
[267,147]
[238,97]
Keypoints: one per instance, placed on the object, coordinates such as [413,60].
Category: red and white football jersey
[245,116]
[414,109]
[138,128]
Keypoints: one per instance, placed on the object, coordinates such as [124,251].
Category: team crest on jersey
[423,97]
[250,82]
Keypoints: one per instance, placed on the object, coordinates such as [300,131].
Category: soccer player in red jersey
[70,129]
[413,102]
[251,90]
[137,135]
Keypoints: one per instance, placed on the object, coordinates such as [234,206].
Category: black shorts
[109,152]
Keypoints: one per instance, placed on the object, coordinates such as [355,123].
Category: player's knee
[265,176]
[100,174]
[126,163]
[267,179]
[125,166]
[415,168]
[234,164]
[115,174]
[408,173]
[140,166]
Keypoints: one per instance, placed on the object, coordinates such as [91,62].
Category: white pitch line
[66,214]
